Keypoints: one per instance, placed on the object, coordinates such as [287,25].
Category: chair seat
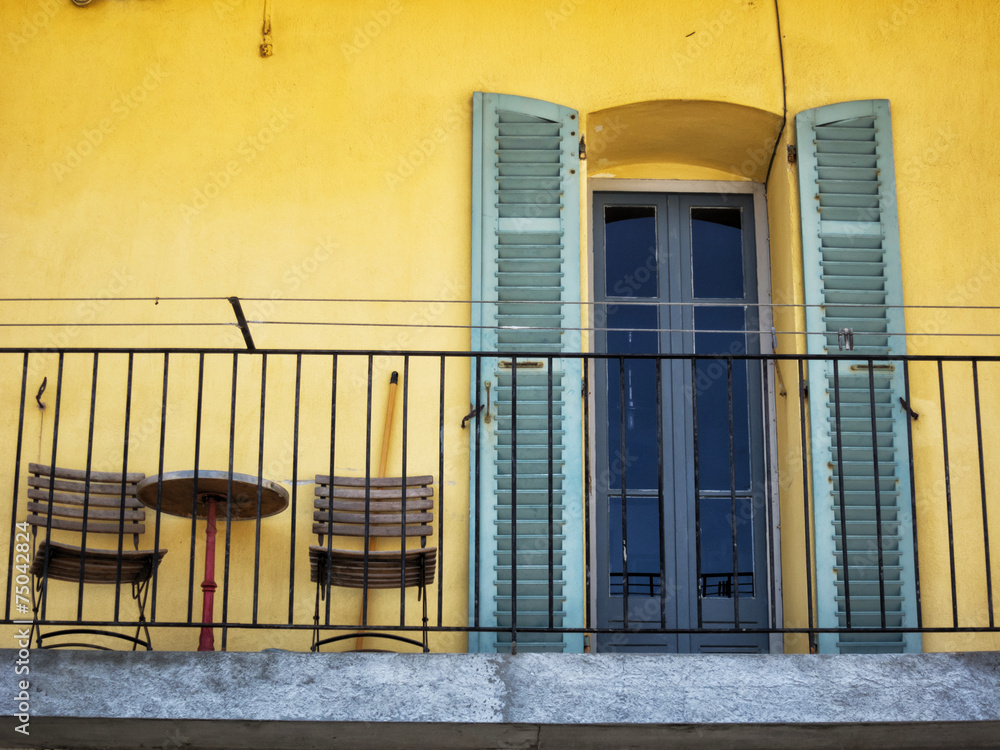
[101,566]
[385,568]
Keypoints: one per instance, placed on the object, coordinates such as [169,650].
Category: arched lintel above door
[681,139]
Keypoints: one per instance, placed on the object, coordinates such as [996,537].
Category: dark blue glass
[717,253]
[627,336]
[643,543]
[630,251]
[722,330]
[717,579]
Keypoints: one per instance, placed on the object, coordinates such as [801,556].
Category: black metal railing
[724,585]
[287,416]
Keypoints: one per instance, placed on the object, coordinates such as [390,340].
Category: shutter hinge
[793,153]
[583,148]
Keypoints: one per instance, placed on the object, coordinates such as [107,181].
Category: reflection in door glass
[721,330]
[642,544]
[717,252]
[639,393]
[717,579]
[630,251]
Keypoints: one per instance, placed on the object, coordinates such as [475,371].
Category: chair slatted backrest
[73,500]
[390,509]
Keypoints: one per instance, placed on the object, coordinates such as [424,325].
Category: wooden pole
[387,429]
[382,464]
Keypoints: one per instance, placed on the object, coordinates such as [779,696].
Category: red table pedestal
[207,640]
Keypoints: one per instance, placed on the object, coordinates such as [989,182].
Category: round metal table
[182,493]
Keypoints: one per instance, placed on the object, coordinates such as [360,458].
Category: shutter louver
[850,245]
[526,273]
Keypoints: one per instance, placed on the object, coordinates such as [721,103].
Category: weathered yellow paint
[150,151]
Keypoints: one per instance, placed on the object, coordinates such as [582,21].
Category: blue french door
[681,531]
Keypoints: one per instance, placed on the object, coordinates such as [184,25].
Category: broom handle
[387,430]
[383,461]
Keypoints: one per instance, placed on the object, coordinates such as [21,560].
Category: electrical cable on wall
[784,94]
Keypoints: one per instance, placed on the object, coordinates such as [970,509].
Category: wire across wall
[597,313]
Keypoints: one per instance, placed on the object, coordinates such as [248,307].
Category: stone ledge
[361,700]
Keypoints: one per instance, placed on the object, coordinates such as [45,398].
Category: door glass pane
[630,251]
[717,579]
[642,543]
[717,252]
[722,330]
[639,393]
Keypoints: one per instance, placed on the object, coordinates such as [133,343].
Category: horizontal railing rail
[677,539]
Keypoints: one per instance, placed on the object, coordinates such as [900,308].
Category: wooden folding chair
[70,500]
[386,510]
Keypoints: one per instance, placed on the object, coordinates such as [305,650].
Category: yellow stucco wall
[149,151]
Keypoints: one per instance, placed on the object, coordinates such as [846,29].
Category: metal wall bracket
[845,338]
[241,321]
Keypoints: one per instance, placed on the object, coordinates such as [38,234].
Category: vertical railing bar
[477,557]
[623,461]
[587,488]
[86,487]
[732,492]
[368,494]
[440,491]
[194,491]
[661,497]
[260,484]
[878,494]
[982,489]
[551,499]
[768,511]
[159,486]
[838,433]
[402,526]
[697,491]
[913,496]
[947,493]
[513,500]
[121,513]
[229,500]
[807,515]
[52,488]
[17,486]
[329,521]
[295,490]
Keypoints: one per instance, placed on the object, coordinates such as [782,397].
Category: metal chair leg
[315,640]
[422,594]
[140,592]
[36,602]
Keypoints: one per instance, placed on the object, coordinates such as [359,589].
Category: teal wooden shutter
[526,290]
[850,246]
